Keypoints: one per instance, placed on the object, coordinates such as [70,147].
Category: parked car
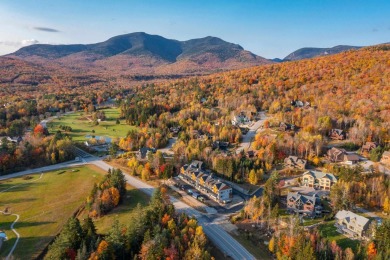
[201,198]
[195,195]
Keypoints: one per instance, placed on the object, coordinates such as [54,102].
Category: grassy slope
[124,211]
[329,231]
[259,251]
[44,206]
[81,126]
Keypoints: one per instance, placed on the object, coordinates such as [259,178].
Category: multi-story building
[195,175]
[295,162]
[318,180]
[303,204]
[351,223]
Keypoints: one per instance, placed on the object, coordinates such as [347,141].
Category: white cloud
[29,42]
[19,43]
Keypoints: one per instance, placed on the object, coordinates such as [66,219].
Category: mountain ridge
[145,53]
[312,52]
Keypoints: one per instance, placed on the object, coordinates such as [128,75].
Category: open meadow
[82,125]
[44,203]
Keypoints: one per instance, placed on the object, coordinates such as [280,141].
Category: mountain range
[309,52]
[133,57]
[144,54]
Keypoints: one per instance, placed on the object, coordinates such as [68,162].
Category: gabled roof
[386,153]
[294,160]
[304,198]
[337,131]
[196,164]
[204,177]
[320,175]
[349,216]
[337,151]
[351,157]
[221,186]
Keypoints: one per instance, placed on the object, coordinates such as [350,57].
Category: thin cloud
[19,43]
[46,29]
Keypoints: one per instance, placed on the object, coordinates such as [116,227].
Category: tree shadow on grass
[15,201]
[24,224]
[27,247]
[10,187]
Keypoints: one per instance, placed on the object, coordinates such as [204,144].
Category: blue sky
[267,28]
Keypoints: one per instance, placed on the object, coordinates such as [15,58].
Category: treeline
[145,137]
[155,167]
[17,114]
[298,244]
[34,151]
[157,232]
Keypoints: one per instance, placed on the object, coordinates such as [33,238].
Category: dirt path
[17,217]
[16,233]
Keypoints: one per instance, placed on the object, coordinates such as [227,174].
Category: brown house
[287,127]
[386,158]
[336,154]
[368,146]
[340,155]
[337,134]
[294,162]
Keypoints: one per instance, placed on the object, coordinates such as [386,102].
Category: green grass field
[44,205]
[81,126]
[329,231]
[260,251]
[124,211]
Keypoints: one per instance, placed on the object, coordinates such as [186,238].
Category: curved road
[226,243]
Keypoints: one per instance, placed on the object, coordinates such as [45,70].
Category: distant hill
[308,52]
[145,54]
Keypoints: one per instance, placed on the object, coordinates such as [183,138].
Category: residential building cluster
[195,175]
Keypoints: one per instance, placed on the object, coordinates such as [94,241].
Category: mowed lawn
[329,231]
[44,204]
[124,212]
[81,125]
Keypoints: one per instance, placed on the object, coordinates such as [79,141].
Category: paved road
[168,148]
[226,243]
[366,163]
[369,213]
[255,128]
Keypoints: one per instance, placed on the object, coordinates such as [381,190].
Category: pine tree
[116,240]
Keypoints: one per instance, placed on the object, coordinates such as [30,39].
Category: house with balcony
[304,204]
[293,162]
[195,175]
[351,224]
[336,155]
[318,180]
